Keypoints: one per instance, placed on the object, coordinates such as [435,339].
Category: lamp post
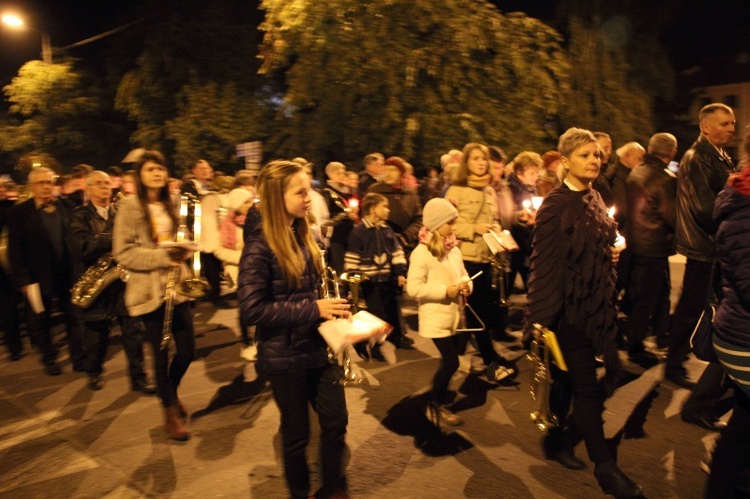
[17,22]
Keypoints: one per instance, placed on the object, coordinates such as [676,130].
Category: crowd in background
[592,229]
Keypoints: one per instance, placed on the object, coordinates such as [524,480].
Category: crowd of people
[591,233]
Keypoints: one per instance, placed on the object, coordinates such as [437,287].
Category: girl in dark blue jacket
[279,294]
[731,339]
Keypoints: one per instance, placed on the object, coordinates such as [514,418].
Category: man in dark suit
[41,263]
[90,237]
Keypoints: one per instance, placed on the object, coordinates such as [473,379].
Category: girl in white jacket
[438,279]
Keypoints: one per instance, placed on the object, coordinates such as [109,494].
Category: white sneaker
[496,372]
[250,353]
[388,350]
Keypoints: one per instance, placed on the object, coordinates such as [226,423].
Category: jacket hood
[728,202]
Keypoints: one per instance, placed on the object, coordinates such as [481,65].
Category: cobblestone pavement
[59,439]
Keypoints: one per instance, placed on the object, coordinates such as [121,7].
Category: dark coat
[91,238]
[31,253]
[406,213]
[732,216]
[651,196]
[617,176]
[703,172]
[337,201]
[522,232]
[286,316]
[572,277]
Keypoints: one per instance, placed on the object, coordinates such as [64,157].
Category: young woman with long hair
[143,222]
[280,274]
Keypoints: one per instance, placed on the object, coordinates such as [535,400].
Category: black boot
[613,481]
[556,450]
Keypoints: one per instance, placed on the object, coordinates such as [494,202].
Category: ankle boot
[174,426]
[182,410]
[613,481]
[555,449]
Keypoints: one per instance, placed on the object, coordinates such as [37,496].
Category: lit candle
[536,202]
[620,243]
[526,204]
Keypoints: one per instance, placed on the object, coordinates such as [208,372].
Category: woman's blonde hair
[272,183]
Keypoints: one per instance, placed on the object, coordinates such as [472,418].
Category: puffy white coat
[427,281]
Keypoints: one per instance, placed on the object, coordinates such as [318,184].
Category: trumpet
[330,288]
[543,346]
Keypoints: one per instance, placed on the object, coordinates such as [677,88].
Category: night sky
[698,29]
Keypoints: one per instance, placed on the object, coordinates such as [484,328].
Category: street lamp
[17,22]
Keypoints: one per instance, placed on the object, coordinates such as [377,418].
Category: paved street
[59,439]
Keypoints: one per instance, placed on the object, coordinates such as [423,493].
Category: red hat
[397,162]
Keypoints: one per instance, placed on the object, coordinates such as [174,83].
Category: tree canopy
[412,77]
[54,110]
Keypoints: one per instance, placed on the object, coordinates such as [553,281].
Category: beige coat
[147,264]
[475,206]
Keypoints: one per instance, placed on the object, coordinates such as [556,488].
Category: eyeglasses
[43,182]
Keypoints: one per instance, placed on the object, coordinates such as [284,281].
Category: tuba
[196,286]
[543,346]
[330,287]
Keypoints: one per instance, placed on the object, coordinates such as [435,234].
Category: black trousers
[731,460]
[689,307]
[9,310]
[168,375]
[579,387]
[648,294]
[96,341]
[294,391]
[481,301]
[382,302]
[211,270]
[40,327]
[448,348]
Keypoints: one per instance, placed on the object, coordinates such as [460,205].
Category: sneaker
[449,418]
[439,416]
[388,350]
[496,372]
[250,353]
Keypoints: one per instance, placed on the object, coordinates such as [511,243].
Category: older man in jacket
[650,194]
[703,172]
[41,261]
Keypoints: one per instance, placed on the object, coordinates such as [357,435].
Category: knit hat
[438,211]
[237,198]
[397,162]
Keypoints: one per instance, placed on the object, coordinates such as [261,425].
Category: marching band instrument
[543,347]
[330,288]
[196,286]
[95,279]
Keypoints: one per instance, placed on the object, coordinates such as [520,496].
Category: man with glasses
[91,238]
[41,261]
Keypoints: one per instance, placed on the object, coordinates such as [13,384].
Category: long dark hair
[164,197]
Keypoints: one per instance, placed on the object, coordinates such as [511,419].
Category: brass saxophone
[330,288]
[543,347]
[95,279]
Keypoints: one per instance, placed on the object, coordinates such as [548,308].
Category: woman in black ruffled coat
[570,291]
